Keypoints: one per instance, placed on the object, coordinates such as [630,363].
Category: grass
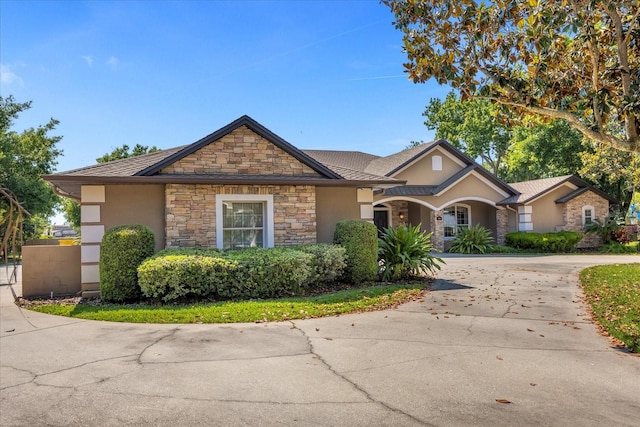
[613,291]
[346,301]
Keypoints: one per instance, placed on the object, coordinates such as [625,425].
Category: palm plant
[472,240]
[405,252]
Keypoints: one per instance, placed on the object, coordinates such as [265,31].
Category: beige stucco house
[245,186]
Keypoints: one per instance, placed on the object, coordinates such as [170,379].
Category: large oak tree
[577,60]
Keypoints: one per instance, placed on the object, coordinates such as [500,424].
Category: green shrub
[174,274]
[620,248]
[329,261]
[473,240]
[605,229]
[405,252]
[123,249]
[172,277]
[563,241]
[360,241]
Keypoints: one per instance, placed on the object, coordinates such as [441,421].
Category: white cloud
[89,60]
[113,62]
[8,77]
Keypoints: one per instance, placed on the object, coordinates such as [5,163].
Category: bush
[563,241]
[360,241]
[329,261]
[123,249]
[605,229]
[472,240]
[620,248]
[405,252]
[222,275]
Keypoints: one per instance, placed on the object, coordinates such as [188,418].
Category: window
[587,215]
[242,225]
[455,217]
[244,221]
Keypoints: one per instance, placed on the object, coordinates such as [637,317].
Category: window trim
[268,227]
[455,205]
[585,208]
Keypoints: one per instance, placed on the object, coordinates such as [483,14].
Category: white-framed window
[588,214]
[456,217]
[244,221]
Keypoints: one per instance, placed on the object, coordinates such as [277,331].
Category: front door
[381,220]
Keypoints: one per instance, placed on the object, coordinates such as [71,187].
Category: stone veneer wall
[397,207]
[502,226]
[191,213]
[437,230]
[572,216]
[240,152]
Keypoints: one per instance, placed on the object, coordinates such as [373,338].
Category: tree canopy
[472,127]
[577,60]
[123,152]
[24,157]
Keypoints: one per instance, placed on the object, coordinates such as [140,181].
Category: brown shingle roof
[389,164]
[531,189]
[355,160]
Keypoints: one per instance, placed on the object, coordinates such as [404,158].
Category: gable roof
[145,169]
[531,190]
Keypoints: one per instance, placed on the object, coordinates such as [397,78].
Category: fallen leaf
[530,330]
[502,401]
[317,329]
[499,358]
[533,384]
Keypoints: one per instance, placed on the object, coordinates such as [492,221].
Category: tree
[123,152]
[577,60]
[24,157]
[71,211]
[471,126]
[545,150]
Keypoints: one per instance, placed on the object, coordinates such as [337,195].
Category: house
[245,186]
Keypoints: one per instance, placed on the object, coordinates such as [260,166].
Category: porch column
[502,225]
[437,230]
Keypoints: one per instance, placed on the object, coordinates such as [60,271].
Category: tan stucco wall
[422,173]
[135,204]
[547,215]
[334,204]
[240,152]
[47,269]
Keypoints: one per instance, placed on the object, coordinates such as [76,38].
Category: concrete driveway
[510,329]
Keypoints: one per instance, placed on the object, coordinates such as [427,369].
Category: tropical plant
[606,228]
[405,252]
[472,240]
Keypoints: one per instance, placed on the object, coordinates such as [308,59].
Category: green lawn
[614,294]
[347,301]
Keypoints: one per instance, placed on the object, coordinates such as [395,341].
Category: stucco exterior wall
[51,268]
[191,213]
[240,152]
[135,204]
[334,204]
[547,215]
[422,173]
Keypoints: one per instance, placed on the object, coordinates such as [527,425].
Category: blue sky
[320,74]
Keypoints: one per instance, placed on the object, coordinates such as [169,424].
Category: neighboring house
[244,186]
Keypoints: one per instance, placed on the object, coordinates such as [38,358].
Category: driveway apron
[498,341]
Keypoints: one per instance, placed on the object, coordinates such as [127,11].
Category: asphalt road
[493,330]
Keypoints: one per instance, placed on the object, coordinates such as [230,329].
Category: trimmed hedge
[223,275]
[329,261]
[123,249]
[360,240]
[563,241]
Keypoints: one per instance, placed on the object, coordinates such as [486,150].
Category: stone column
[502,225]
[437,230]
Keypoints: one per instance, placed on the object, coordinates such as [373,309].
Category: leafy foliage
[123,249]
[405,252]
[560,242]
[472,127]
[473,240]
[71,211]
[24,157]
[328,262]
[360,241]
[577,60]
[123,152]
[606,228]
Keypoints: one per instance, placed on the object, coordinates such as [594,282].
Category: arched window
[456,217]
[588,214]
